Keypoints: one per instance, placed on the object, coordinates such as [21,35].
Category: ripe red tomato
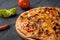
[24,4]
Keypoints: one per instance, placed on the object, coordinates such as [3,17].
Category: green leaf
[40,31]
[12,11]
[7,13]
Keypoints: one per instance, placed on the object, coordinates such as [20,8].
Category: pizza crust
[19,32]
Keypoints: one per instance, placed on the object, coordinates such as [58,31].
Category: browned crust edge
[19,32]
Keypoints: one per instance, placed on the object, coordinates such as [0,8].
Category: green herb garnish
[7,13]
[40,31]
[39,8]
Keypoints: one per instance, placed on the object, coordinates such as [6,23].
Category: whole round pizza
[42,23]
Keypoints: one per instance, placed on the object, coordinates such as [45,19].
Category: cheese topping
[42,22]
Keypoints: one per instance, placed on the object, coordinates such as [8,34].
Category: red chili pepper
[29,30]
[3,27]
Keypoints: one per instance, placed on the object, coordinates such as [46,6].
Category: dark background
[11,34]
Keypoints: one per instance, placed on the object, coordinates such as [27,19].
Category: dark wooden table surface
[11,34]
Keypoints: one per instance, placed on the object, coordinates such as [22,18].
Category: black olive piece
[27,25]
[21,16]
[57,24]
[47,31]
[39,20]
[59,14]
[54,28]
[39,11]
[29,18]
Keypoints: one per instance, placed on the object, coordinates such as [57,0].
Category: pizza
[42,23]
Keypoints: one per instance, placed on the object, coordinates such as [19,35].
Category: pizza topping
[47,32]
[46,21]
[39,21]
[24,16]
[29,18]
[54,28]
[40,31]
[40,9]
[28,30]
[31,27]
[58,14]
